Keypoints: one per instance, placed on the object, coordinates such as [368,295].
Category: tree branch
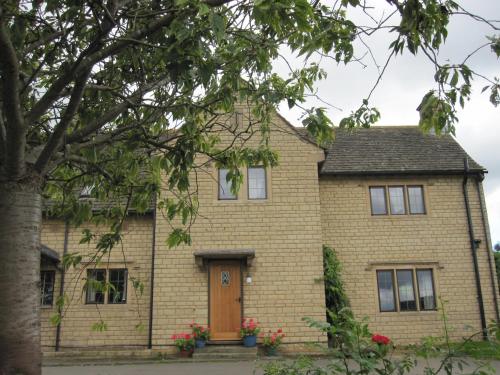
[3,139]
[14,128]
[44,40]
[112,113]
[84,63]
[60,129]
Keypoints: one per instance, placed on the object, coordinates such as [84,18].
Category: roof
[394,150]
[49,254]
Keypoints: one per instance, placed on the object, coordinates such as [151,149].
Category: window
[386,296]
[238,118]
[406,290]
[416,199]
[397,200]
[225,186]
[378,203]
[257,188]
[403,281]
[95,286]
[425,284]
[86,191]
[402,200]
[47,279]
[118,286]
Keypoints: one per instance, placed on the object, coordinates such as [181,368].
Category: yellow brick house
[406,219]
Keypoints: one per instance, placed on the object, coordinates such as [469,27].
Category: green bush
[359,352]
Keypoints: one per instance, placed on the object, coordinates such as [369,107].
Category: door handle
[238,299]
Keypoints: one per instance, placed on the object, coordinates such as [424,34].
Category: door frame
[241,264]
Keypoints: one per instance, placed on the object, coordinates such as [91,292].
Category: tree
[110,95]
[496,254]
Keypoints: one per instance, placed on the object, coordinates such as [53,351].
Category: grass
[480,349]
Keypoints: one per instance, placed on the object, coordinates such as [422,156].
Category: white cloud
[493,203]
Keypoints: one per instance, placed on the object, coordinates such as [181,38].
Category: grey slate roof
[394,150]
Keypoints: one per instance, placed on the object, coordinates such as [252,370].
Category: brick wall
[437,240]
[284,230]
[121,319]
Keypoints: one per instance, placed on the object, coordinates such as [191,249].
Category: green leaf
[454,79]
[217,23]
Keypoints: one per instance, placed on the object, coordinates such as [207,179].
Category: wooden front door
[225,299]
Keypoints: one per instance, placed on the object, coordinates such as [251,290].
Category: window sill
[407,313]
[242,201]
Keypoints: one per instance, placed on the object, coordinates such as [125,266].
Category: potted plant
[272,340]
[201,335]
[184,343]
[249,331]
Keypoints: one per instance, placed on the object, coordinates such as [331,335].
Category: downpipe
[473,247]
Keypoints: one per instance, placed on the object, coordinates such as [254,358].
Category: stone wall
[121,319]
[438,240]
[284,230]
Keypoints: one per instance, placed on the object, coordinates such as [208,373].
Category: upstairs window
[225,192]
[397,200]
[118,286]
[378,201]
[95,286]
[257,185]
[238,118]
[416,199]
[47,279]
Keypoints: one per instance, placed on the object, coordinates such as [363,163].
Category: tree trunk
[20,225]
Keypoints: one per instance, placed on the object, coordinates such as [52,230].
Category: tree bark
[20,225]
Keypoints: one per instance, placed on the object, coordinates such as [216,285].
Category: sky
[408,78]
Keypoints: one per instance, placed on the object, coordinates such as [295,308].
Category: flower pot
[186,353]
[270,350]
[250,341]
[200,343]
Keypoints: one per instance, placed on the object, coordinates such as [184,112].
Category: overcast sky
[408,79]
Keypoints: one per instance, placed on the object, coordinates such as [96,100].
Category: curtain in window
[406,291]
[386,291]
[256,183]
[225,186]
[426,290]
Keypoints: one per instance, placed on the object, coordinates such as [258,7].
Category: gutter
[61,288]
[473,247]
[451,172]
[489,250]
[151,287]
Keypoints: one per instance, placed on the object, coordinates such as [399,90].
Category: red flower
[280,330]
[381,340]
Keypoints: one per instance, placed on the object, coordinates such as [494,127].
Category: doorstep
[225,352]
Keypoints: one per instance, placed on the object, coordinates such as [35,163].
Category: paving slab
[195,368]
